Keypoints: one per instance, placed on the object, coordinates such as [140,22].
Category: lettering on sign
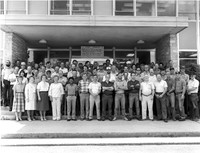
[92,51]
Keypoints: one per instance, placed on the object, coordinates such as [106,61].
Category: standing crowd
[136,91]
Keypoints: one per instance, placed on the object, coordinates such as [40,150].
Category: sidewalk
[98,129]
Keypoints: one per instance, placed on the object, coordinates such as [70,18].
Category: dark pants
[193,99]
[134,98]
[11,97]
[171,105]
[107,100]
[6,94]
[161,107]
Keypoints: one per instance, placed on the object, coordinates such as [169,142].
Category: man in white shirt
[6,83]
[146,94]
[56,92]
[12,78]
[161,103]
[94,89]
[192,90]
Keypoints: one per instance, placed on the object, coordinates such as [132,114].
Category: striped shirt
[83,86]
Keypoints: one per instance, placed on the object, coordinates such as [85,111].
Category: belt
[146,95]
[178,93]
[71,95]
[193,93]
[84,92]
[159,93]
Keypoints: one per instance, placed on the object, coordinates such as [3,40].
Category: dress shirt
[56,90]
[193,84]
[95,87]
[160,86]
[83,86]
[6,72]
[147,88]
[43,86]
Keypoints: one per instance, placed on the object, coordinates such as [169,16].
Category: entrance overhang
[109,31]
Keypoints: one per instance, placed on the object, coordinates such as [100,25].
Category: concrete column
[167,50]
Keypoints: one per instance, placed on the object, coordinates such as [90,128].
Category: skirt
[19,104]
[43,104]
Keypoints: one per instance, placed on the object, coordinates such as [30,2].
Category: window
[187,8]
[1,7]
[16,6]
[76,53]
[166,7]
[187,57]
[81,7]
[60,7]
[124,54]
[108,54]
[59,54]
[145,7]
[124,7]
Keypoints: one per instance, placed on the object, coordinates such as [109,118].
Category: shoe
[174,119]
[45,119]
[196,119]
[89,119]
[29,120]
[68,119]
[99,119]
[42,119]
[182,118]
[74,119]
[81,119]
[17,119]
[110,118]
[151,119]
[126,119]
[103,119]
[165,120]
[115,118]
[33,119]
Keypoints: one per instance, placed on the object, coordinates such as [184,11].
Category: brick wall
[15,48]
[19,49]
[167,50]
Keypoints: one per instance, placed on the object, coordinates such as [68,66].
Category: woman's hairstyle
[22,71]
[31,77]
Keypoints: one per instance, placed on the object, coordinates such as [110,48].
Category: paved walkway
[98,129]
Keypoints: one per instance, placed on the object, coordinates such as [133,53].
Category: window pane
[186,62]
[124,7]
[108,54]
[1,7]
[187,9]
[166,8]
[60,7]
[76,53]
[59,54]
[16,7]
[81,7]
[124,54]
[39,56]
[188,55]
[145,7]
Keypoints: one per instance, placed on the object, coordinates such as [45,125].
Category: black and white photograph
[100,76]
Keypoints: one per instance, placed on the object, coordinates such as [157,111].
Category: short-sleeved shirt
[147,88]
[6,72]
[170,83]
[71,89]
[83,86]
[43,86]
[193,84]
[107,84]
[160,86]
[95,87]
[179,84]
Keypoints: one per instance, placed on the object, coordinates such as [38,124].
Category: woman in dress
[18,101]
[43,99]
[30,98]
[24,79]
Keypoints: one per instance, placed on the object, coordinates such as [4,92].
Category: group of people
[132,90]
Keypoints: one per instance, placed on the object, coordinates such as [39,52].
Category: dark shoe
[165,120]
[110,119]
[99,119]
[151,119]
[82,119]
[182,118]
[68,119]
[74,119]
[103,119]
[174,119]
[89,119]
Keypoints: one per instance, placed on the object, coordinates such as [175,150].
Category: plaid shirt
[83,86]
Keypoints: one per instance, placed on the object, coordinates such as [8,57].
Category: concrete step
[101,141]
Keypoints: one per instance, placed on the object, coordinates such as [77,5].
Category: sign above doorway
[92,51]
